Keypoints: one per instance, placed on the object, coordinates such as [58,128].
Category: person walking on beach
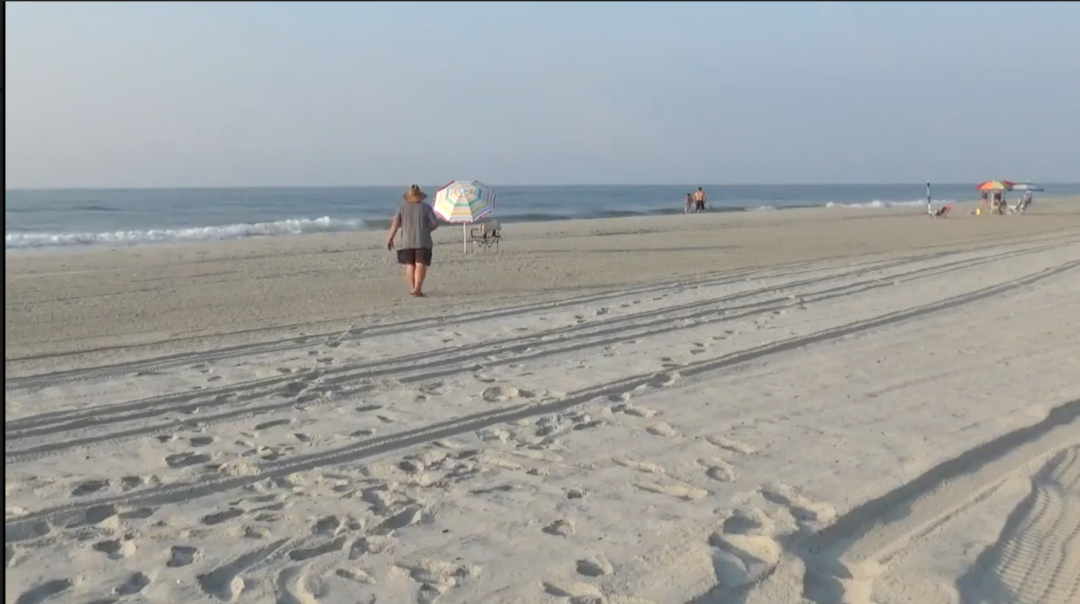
[415,221]
[689,203]
[699,200]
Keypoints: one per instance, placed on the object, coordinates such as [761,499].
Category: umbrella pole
[464,239]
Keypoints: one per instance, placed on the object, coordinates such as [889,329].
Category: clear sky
[276,94]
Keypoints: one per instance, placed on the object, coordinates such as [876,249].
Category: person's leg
[423,261]
[407,258]
[418,279]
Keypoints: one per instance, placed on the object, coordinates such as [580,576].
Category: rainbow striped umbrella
[995,185]
[464,201]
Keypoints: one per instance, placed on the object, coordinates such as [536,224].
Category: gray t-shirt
[417,222]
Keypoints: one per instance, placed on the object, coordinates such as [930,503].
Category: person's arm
[433,219]
[395,226]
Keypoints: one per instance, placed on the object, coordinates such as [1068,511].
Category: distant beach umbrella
[464,201]
[996,185]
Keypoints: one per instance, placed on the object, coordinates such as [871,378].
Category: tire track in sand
[40,523]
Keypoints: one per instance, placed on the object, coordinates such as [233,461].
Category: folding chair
[487,235]
[942,212]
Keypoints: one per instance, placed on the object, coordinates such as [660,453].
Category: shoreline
[344,226]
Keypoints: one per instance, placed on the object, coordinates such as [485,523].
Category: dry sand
[858,406]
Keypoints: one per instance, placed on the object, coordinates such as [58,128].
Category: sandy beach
[826,405]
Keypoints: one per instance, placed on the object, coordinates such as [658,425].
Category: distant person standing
[699,200]
[415,221]
[689,203]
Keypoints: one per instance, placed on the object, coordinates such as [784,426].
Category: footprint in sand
[577,591]
[719,469]
[292,587]
[662,429]
[181,555]
[307,553]
[641,466]
[682,491]
[97,514]
[372,544]
[88,487]
[225,583]
[272,424]
[134,584]
[633,410]
[562,527]
[44,591]
[744,549]
[327,525]
[801,508]
[748,521]
[358,575]
[201,441]
[116,549]
[138,514]
[221,517]
[407,517]
[596,566]
[730,445]
[436,577]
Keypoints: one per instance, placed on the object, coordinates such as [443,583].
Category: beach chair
[943,211]
[1021,205]
[487,235]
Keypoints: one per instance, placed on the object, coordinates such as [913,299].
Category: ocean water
[49,218]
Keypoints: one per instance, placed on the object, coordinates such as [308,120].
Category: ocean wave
[297,226]
[877,203]
[292,226]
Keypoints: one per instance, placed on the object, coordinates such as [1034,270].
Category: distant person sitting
[699,200]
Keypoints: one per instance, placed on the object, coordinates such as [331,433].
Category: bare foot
[418,294]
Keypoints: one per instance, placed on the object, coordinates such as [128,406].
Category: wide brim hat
[414,195]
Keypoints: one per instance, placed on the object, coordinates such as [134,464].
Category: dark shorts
[415,255]
[699,205]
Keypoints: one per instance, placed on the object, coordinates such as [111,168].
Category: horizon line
[666,185]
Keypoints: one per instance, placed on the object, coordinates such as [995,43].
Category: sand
[857,406]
